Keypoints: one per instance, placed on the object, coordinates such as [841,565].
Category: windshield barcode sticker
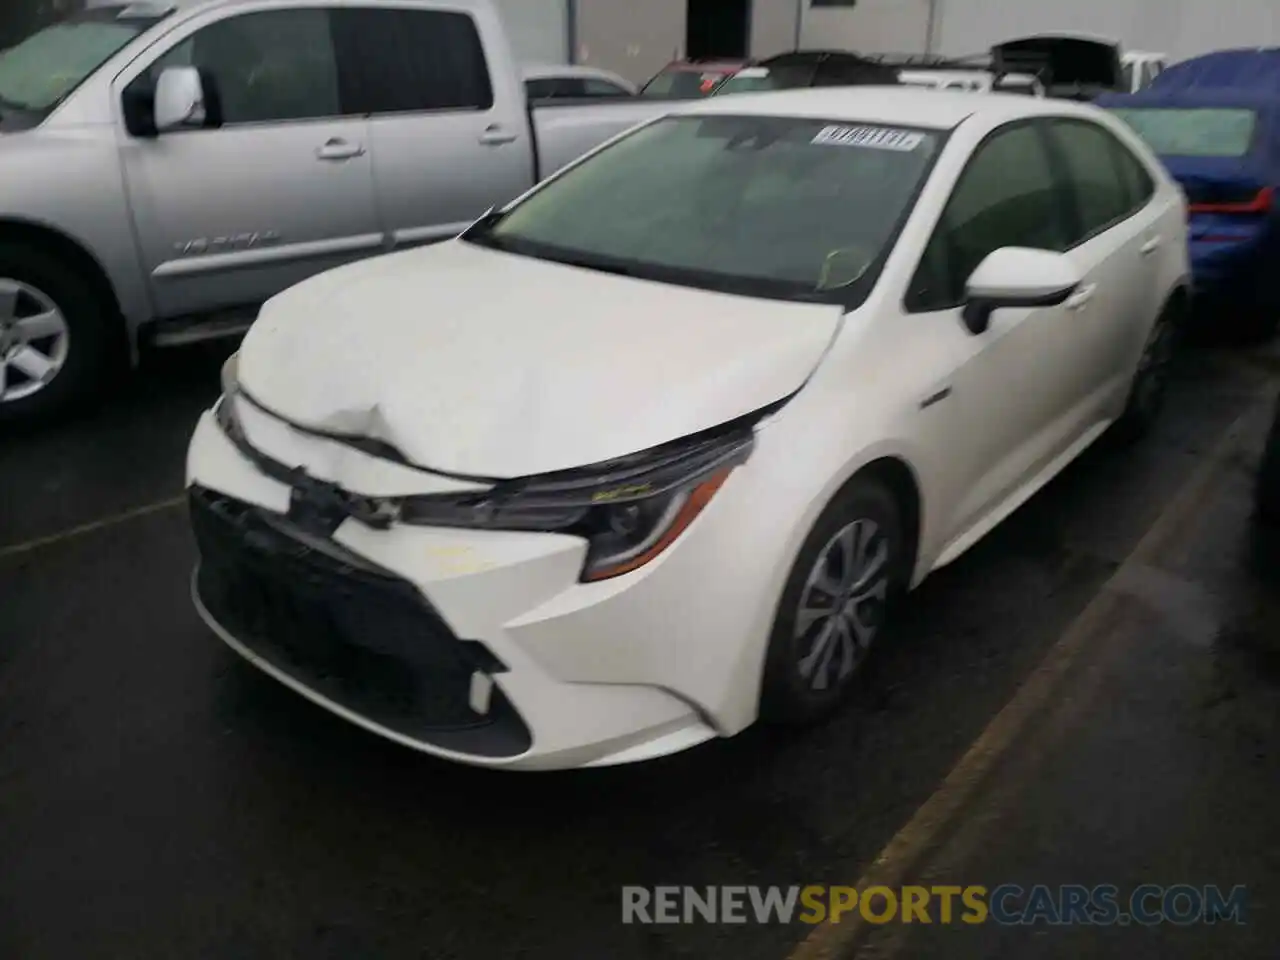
[878,138]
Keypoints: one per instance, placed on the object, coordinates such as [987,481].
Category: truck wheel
[58,339]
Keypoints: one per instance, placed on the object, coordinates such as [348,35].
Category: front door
[229,217]
[1000,411]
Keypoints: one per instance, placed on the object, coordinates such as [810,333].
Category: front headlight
[629,511]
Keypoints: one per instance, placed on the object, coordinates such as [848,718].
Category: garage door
[538,29]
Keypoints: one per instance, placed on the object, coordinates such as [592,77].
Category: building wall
[896,26]
[773,26]
[634,38]
[539,29]
[1180,28]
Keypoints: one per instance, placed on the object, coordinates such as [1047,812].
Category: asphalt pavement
[159,798]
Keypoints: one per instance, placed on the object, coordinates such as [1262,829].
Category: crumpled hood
[489,364]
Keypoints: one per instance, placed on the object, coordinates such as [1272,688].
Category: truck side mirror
[180,100]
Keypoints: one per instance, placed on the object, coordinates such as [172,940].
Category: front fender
[68,183]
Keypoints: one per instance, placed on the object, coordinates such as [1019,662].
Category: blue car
[1222,144]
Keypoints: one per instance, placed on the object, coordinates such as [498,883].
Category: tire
[791,692]
[1268,492]
[1150,380]
[87,353]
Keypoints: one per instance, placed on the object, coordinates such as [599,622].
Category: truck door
[450,137]
[228,217]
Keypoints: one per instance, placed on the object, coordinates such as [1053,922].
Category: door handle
[495,137]
[339,149]
[1151,246]
[1081,297]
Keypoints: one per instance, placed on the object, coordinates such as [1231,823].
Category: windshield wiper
[591,263]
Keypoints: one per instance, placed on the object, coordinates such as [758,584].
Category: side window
[271,66]
[1138,184]
[595,87]
[402,61]
[1006,197]
[1093,174]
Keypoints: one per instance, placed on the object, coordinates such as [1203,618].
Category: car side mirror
[180,100]
[1017,277]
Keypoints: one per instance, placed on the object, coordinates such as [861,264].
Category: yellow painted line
[949,804]
[93,526]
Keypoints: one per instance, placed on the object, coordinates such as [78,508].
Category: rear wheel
[1150,380]
[58,338]
[848,573]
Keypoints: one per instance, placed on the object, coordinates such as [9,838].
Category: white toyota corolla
[647,454]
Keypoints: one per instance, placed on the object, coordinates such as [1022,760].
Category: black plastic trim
[348,630]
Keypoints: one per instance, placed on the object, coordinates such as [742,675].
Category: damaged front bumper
[479,646]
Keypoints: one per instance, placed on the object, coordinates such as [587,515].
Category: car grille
[358,635]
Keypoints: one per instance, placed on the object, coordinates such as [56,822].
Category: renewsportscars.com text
[1007,904]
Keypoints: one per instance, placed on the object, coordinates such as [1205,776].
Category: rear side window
[1193,131]
[678,84]
[1006,197]
[403,61]
[1092,168]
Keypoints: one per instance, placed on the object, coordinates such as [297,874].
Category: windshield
[37,73]
[680,84]
[750,80]
[1193,132]
[763,206]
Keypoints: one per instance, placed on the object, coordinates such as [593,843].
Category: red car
[690,79]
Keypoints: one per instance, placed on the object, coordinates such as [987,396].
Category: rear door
[1114,237]
[447,140]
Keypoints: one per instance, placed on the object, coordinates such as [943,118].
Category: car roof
[901,106]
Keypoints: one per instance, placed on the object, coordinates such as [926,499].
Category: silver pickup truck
[165,167]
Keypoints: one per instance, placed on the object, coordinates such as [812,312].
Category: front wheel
[57,339]
[844,580]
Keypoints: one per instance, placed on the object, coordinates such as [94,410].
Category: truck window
[402,61]
[271,66]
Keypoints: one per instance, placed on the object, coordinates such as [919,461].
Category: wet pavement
[1159,764]
[159,798]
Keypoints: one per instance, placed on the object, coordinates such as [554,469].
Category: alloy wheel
[842,605]
[34,340]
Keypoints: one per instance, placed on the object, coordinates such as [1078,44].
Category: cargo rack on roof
[1035,66]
